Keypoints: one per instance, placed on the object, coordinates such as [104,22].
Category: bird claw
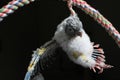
[93,68]
[108,66]
[97,67]
[96,46]
[99,57]
[100,67]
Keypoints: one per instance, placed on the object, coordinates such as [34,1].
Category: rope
[15,4]
[34,61]
[11,7]
[99,18]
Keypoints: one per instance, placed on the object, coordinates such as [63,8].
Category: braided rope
[99,18]
[15,4]
[11,7]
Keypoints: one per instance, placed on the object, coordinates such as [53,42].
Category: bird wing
[39,57]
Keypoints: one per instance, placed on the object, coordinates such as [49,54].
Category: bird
[72,38]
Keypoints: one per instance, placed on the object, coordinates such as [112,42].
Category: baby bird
[73,39]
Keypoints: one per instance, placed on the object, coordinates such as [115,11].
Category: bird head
[73,26]
[69,28]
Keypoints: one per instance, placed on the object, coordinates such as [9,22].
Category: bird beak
[79,34]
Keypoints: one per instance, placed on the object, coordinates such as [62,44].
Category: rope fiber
[11,7]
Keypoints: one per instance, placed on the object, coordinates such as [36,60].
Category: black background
[32,25]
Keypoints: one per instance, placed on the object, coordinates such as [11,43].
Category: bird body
[76,47]
[73,39]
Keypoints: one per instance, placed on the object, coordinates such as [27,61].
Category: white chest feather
[78,44]
[75,47]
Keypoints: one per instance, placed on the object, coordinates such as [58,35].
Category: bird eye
[69,30]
